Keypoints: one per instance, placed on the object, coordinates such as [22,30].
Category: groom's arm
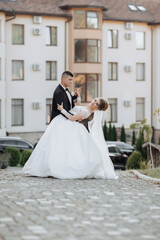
[59,100]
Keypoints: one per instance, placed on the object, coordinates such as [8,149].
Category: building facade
[113,56]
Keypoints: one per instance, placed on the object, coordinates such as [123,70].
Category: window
[90,85]
[140,71]
[0,31]
[87,51]
[141,8]
[86,19]
[17,70]
[113,38]
[17,112]
[113,109]
[51,36]
[51,70]
[17,34]
[132,7]
[140,40]
[0,70]
[112,71]
[140,109]
[0,113]
[48,110]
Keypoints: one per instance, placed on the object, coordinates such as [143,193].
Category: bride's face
[95,103]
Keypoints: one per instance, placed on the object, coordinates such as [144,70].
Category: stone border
[144,177]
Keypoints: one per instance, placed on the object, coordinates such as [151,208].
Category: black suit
[60,96]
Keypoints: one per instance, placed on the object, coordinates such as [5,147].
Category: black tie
[66,90]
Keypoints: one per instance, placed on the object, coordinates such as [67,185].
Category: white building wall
[2,77]
[156,76]
[127,88]
[34,87]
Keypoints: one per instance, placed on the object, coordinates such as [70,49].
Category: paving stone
[33,208]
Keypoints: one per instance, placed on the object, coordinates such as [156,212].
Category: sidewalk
[50,209]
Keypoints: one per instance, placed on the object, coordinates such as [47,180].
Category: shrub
[110,132]
[25,155]
[123,134]
[134,160]
[114,133]
[4,160]
[15,155]
[105,131]
[143,165]
[133,138]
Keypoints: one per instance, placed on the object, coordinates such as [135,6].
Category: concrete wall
[2,77]
[127,88]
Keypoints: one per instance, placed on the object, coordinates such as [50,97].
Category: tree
[144,128]
[114,133]
[105,130]
[133,138]
[123,134]
[110,132]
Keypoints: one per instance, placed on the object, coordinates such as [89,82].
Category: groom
[62,94]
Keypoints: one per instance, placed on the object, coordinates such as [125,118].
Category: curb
[144,177]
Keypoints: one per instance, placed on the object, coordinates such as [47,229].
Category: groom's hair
[67,73]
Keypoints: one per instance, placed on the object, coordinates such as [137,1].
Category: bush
[143,165]
[105,131]
[134,160]
[123,134]
[133,138]
[4,160]
[114,133]
[25,155]
[15,155]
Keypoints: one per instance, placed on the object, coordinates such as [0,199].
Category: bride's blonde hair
[103,105]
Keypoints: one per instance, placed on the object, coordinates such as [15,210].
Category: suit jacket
[60,96]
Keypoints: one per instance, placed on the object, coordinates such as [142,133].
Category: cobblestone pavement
[34,208]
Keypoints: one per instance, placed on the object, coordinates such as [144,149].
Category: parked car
[19,143]
[124,147]
[118,158]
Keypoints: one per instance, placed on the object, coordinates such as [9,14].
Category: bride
[68,151]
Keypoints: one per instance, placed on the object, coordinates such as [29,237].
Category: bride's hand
[60,107]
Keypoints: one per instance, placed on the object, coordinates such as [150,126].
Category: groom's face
[67,81]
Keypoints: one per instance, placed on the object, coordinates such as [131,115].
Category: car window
[9,142]
[1,142]
[114,150]
[22,144]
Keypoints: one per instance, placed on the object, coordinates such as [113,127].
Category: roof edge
[69,6]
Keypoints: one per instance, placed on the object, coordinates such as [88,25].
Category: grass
[154,173]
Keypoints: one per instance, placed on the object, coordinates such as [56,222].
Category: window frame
[86,51]
[139,80]
[112,79]
[98,76]
[139,120]
[23,34]
[117,40]
[50,63]
[50,108]
[111,110]
[50,27]
[14,79]
[17,125]
[144,40]
[86,18]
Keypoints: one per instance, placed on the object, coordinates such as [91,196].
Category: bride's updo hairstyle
[103,105]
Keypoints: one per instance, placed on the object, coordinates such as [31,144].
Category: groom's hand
[78,91]
[60,107]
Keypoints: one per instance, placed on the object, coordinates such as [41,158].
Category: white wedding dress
[68,151]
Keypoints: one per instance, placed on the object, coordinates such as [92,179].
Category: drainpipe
[65,44]
[152,76]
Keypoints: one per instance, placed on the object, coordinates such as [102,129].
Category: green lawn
[154,173]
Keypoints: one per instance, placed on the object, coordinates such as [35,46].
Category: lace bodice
[80,109]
